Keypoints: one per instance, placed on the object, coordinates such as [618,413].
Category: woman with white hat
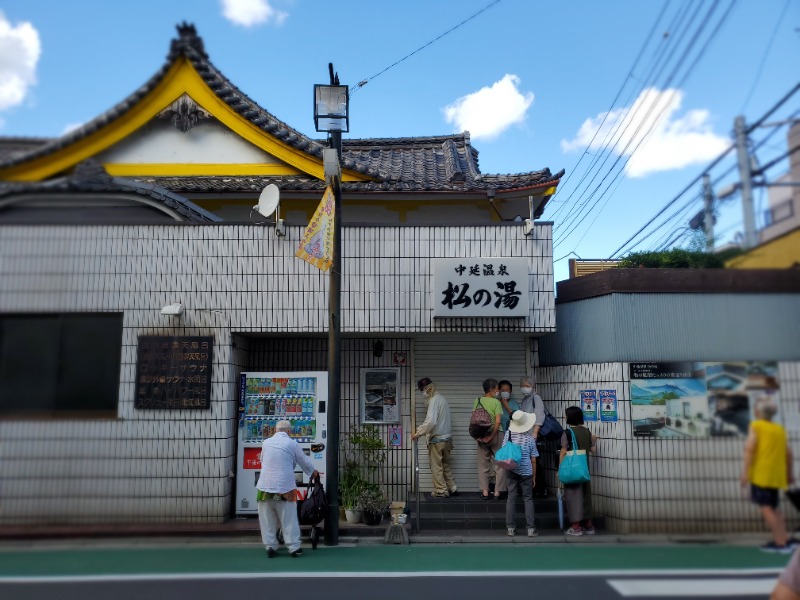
[522,479]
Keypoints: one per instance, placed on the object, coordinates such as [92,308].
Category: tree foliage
[676,258]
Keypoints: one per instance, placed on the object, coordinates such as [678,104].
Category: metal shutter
[458,364]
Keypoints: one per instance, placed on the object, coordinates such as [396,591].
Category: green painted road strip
[420,559]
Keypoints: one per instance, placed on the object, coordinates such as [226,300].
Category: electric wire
[764,57]
[711,165]
[677,214]
[631,118]
[606,146]
[644,137]
[628,77]
[365,81]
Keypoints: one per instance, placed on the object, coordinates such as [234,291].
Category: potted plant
[373,504]
[363,452]
[351,486]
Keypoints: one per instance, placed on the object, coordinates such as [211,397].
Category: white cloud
[248,13]
[19,53]
[674,142]
[491,110]
[70,127]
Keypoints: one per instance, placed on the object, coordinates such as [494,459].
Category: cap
[423,383]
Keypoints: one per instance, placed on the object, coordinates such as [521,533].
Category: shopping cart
[312,506]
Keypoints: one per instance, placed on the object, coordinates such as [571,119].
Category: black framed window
[60,364]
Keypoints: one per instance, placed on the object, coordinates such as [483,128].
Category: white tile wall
[644,485]
[149,464]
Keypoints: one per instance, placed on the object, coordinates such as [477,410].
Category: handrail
[416,486]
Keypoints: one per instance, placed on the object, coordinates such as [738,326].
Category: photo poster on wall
[699,399]
[380,402]
[608,406]
[589,405]
[395,436]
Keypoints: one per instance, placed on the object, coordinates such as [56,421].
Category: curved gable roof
[446,163]
[188,49]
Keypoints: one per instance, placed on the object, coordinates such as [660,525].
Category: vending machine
[266,398]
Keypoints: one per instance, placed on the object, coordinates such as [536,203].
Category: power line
[713,164]
[657,118]
[580,216]
[364,82]
[610,108]
[764,57]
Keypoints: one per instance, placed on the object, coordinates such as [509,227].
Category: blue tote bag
[574,468]
[509,455]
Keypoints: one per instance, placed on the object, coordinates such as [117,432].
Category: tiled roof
[436,163]
[90,176]
[12,147]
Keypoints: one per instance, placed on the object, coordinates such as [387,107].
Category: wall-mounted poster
[733,390]
[380,400]
[608,405]
[589,405]
[395,436]
[698,399]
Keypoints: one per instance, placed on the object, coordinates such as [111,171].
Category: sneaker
[454,492]
[774,548]
[297,553]
[271,553]
[532,532]
[575,532]
[587,530]
[511,532]
[440,495]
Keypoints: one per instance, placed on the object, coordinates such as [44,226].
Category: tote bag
[509,455]
[480,422]
[574,468]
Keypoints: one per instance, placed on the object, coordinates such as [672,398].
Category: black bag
[551,429]
[314,507]
[480,423]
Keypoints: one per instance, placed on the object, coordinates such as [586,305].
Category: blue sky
[571,84]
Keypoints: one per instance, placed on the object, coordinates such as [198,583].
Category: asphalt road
[392,587]
[200,570]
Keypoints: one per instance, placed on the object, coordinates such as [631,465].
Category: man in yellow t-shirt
[767,467]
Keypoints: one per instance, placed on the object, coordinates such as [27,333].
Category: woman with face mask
[532,403]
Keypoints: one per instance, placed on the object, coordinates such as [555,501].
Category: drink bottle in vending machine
[266,398]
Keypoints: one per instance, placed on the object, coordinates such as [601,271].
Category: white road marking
[673,588]
[770,574]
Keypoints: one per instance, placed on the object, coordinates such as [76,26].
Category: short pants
[764,496]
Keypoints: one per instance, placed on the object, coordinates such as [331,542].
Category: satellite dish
[268,200]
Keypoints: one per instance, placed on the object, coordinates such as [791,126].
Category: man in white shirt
[277,506]
[440,439]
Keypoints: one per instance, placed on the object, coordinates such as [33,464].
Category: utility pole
[745,177]
[708,212]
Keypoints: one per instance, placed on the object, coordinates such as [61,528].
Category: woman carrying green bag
[577,497]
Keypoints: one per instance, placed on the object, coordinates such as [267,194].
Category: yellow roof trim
[181,78]
[198,169]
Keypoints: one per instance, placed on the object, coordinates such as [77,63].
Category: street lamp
[331,115]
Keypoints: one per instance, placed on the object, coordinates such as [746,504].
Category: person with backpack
[488,408]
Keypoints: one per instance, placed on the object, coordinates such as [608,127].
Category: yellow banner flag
[316,247]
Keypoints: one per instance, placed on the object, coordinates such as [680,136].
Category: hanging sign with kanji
[316,247]
[480,287]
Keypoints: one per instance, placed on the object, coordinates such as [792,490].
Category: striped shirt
[528,445]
